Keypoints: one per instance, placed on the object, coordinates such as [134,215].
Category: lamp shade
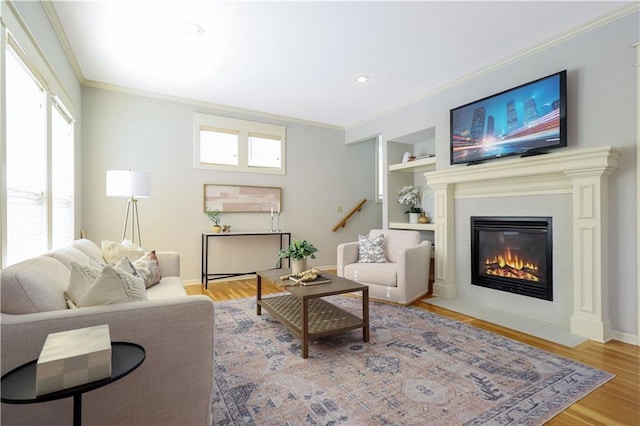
[126,183]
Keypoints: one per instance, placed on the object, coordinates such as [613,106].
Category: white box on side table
[72,358]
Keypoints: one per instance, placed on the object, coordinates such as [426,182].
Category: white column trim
[445,280]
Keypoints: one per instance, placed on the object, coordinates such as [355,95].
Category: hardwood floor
[616,403]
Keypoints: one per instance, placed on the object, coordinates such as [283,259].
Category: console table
[206,276]
[19,385]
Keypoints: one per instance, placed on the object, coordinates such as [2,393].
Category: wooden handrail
[351,213]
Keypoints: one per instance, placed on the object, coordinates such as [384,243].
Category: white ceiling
[300,59]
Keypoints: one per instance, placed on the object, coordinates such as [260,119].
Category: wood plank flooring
[616,403]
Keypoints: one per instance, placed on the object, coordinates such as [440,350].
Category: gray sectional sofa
[174,384]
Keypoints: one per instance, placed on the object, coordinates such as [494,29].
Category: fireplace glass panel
[512,254]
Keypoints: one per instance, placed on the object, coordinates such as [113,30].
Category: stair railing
[351,213]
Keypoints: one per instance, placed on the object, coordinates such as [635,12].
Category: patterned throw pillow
[371,251]
[148,268]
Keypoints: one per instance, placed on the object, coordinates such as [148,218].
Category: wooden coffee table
[306,314]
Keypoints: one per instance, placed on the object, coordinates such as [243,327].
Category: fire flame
[511,265]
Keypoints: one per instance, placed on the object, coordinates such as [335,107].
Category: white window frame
[21,42]
[380,169]
[244,128]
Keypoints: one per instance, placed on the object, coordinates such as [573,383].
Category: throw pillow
[371,251]
[89,286]
[113,286]
[81,278]
[113,252]
[148,268]
[125,265]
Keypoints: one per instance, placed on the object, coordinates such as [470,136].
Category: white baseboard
[625,337]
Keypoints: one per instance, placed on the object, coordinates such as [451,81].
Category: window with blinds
[38,163]
[223,143]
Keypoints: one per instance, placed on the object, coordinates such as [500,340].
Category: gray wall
[601,111]
[126,131]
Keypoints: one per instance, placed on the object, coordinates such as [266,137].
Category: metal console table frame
[205,276]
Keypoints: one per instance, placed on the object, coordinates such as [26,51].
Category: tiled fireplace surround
[571,187]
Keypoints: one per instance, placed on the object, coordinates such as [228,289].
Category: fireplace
[513,254]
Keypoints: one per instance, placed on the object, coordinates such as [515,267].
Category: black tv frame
[516,142]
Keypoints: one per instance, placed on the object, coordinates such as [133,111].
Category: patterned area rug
[418,368]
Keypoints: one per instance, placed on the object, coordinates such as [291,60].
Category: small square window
[264,151]
[218,147]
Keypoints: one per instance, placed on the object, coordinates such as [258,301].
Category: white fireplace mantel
[581,172]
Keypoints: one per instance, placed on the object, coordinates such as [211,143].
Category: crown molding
[549,43]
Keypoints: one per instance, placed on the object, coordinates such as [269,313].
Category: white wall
[601,111]
[127,131]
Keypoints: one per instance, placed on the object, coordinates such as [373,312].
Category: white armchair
[404,279]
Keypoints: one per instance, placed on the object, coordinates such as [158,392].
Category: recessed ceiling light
[363,78]
[193,29]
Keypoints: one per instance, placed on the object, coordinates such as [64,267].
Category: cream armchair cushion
[403,279]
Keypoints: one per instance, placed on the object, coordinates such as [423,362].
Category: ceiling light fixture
[363,78]
[194,29]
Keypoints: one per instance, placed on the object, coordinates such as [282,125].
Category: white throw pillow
[110,286]
[125,265]
[81,278]
[113,252]
[371,251]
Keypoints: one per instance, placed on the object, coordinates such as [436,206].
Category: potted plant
[215,216]
[410,196]
[298,251]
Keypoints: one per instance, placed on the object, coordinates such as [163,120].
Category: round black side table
[19,385]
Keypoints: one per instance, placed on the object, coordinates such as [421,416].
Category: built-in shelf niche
[419,144]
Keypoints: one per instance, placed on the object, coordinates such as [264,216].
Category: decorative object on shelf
[133,185]
[226,228]
[215,216]
[406,157]
[277,228]
[409,196]
[298,252]
[241,198]
[308,277]
[423,218]
[426,198]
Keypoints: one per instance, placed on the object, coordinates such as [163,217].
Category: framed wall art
[242,198]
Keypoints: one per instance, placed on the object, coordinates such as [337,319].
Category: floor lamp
[133,185]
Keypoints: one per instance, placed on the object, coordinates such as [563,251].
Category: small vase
[216,229]
[298,265]
[413,217]
[423,218]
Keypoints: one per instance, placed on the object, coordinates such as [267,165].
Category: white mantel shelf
[581,172]
[541,174]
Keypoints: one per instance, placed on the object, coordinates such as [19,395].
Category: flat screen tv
[525,120]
